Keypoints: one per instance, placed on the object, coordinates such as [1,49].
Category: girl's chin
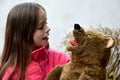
[45,44]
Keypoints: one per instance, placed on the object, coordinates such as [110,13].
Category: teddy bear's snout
[77,27]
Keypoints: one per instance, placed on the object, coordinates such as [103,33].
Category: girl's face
[41,34]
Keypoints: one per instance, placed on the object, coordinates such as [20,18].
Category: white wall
[62,14]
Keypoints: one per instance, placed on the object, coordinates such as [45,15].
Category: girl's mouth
[45,38]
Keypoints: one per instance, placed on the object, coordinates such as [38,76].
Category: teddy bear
[89,56]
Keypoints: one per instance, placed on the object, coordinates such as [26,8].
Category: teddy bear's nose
[77,26]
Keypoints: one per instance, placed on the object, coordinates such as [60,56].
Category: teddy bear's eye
[89,36]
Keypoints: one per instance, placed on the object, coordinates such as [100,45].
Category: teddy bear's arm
[55,74]
[84,76]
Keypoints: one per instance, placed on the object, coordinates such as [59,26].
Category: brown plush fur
[89,57]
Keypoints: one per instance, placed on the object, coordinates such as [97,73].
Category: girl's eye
[42,25]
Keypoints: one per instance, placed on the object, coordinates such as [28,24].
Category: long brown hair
[21,24]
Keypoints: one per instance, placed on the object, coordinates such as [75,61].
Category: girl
[26,54]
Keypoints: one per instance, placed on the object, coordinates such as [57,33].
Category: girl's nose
[47,29]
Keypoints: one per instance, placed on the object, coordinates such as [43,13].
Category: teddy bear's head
[92,46]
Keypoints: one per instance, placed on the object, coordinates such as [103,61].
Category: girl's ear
[111,42]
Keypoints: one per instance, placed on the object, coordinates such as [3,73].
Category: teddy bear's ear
[111,42]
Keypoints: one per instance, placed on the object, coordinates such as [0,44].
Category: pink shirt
[43,61]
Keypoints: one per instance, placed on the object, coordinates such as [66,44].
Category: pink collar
[40,54]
